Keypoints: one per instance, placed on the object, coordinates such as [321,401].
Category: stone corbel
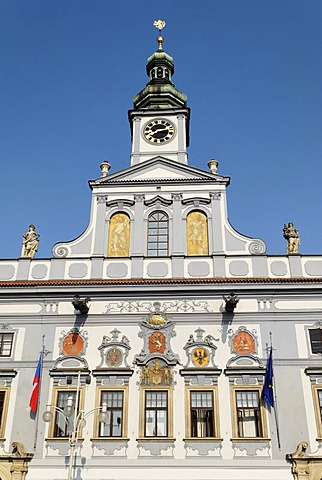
[304,466]
[17,462]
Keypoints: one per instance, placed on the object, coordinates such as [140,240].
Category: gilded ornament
[159,24]
[157,319]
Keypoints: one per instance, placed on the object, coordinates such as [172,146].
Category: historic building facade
[155,325]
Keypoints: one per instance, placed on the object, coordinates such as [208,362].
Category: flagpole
[275,401]
[39,391]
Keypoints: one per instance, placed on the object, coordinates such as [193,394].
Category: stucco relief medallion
[73,344]
[157,342]
[156,373]
[200,357]
[114,357]
[243,343]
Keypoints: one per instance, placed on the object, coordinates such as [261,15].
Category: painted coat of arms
[156,373]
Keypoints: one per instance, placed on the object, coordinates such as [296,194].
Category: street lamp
[74,426]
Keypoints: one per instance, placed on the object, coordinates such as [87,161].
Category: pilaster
[178,225]
[216,230]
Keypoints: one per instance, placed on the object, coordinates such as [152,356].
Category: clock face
[158,131]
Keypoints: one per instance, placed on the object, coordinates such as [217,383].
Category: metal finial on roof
[159,24]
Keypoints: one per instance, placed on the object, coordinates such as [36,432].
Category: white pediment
[161,168]
[161,172]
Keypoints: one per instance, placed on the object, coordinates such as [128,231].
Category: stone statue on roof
[291,234]
[30,241]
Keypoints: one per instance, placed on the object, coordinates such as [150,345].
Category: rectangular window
[63,424]
[158,226]
[114,401]
[319,392]
[6,342]
[316,339]
[249,423]
[202,414]
[317,400]
[156,414]
[4,397]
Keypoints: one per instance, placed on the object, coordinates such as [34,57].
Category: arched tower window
[158,229]
[119,236]
[197,233]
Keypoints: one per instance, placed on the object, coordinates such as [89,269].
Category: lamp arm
[91,411]
[59,410]
[82,416]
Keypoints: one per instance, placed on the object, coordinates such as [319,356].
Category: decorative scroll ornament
[257,247]
[60,252]
[200,350]
[114,351]
[131,306]
[305,466]
[156,330]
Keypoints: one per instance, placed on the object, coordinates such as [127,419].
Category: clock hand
[159,129]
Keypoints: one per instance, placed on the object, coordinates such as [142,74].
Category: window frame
[261,411]
[124,428]
[142,416]
[2,333]
[157,235]
[315,344]
[3,416]
[317,409]
[55,395]
[215,410]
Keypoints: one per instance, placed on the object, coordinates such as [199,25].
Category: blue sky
[252,71]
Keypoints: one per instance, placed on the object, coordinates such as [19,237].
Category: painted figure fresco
[197,234]
[119,236]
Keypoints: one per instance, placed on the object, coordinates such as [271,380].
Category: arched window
[197,233]
[158,226]
[119,236]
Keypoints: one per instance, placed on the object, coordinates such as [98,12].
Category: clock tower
[160,117]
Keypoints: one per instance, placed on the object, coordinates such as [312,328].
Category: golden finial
[159,24]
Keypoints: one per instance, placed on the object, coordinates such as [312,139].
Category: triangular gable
[160,168]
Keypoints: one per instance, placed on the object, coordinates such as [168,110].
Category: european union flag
[268,393]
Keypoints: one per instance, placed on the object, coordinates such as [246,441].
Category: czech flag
[33,403]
